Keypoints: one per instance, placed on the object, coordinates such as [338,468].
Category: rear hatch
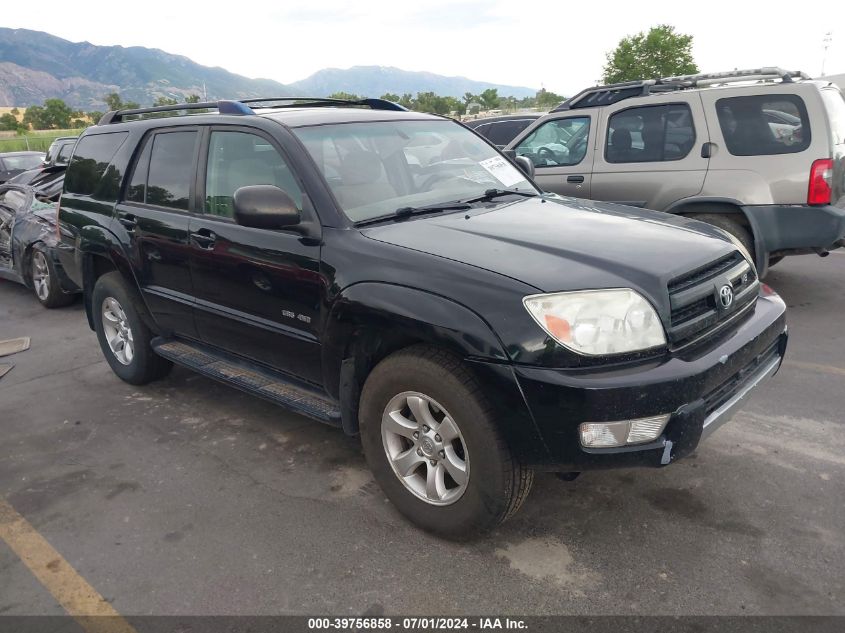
[834,103]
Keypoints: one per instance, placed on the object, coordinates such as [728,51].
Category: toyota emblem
[726,296]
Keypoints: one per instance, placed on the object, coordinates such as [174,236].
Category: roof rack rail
[612,93]
[298,102]
[244,107]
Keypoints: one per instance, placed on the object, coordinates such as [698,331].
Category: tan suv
[759,153]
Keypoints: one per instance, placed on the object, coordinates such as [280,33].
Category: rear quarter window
[90,172]
[764,125]
[834,103]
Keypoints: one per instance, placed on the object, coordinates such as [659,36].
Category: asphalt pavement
[188,497]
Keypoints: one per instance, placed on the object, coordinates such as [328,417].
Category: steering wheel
[434,178]
[547,154]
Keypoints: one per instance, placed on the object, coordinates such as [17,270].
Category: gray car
[759,153]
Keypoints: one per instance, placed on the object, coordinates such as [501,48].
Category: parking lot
[188,497]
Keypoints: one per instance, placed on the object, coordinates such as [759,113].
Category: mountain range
[35,66]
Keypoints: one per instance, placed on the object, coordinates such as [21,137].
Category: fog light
[610,434]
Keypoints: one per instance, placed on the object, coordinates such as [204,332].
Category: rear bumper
[701,390]
[795,228]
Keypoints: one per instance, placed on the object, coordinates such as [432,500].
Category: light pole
[828,38]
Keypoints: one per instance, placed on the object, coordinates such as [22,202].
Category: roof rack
[612,93]
[248,106]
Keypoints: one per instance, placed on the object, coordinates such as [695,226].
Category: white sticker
[502,170]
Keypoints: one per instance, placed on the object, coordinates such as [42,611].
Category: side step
[260,381]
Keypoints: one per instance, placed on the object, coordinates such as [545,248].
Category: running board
[254,379]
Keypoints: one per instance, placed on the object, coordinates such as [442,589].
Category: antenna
[828,38]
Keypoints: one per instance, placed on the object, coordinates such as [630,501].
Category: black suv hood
[557,244]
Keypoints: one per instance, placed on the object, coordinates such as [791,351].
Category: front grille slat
[694,303]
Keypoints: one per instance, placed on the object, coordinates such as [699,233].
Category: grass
[35,140]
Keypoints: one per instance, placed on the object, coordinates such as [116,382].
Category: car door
[651,155]
[561,149]
[258,291]
[154,214]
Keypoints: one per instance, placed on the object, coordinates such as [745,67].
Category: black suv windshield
[375,169]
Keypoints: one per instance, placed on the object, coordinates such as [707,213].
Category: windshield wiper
[406,212]
[490,194]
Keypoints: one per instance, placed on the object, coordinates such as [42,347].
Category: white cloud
[560,45]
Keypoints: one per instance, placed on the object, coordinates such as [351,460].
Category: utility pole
[828,38]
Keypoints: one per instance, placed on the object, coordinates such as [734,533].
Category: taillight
[821,177]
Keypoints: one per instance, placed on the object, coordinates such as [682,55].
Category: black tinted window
[171,169]
[650,134]
[137,189]
[89,173]
[504,132]
[761,125]
[64,153]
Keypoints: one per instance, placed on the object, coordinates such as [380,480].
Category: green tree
[114,102]
[94,116]
[34,118]
[163,101]
[192,99]
[344,95]
[407,100]
[9,122]
[547,100]
[389,96]
[662,52]
[15,112]
[489,99]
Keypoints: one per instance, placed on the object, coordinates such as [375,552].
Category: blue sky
[557,44]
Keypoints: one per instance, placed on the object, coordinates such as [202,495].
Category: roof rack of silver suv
[245,106]
[612,93]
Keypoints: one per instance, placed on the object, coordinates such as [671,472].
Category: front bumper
[701,389]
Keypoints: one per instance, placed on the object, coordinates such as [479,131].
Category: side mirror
[525,164]
[265,207]
[510,153]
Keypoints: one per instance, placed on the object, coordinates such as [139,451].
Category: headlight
[598,322]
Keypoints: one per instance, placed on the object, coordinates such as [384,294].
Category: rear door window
[834,103]
[504,132]
[171,170]
[650,134]
[763,125]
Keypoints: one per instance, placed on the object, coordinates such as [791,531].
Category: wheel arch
[727,206]
[371,320]
[101,253]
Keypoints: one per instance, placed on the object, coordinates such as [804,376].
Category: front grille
[696,308]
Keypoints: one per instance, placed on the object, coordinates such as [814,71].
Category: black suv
[471,328]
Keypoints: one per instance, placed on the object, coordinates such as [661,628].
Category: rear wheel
[430,439]
[775,260]
[123,335]
[44,280]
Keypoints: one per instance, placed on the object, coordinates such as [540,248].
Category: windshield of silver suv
[380,168]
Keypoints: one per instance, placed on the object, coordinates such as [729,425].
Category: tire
[117,309]
[496,483]
[44,280]
[726,222]
[773,261]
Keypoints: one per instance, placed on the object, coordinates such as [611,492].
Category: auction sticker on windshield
[502,171]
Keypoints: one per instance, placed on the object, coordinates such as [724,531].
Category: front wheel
[123,335]
[430,438]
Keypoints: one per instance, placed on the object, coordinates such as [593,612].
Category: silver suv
[759,153]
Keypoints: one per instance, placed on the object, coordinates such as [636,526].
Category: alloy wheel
[425,448]
[117,331]
[40,276]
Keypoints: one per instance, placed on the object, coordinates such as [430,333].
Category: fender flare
[370,320]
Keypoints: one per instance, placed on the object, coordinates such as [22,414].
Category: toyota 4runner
[470,328]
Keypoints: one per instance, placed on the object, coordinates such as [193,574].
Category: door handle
[575,179]
[707,149]
[204,238]
[128,221]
